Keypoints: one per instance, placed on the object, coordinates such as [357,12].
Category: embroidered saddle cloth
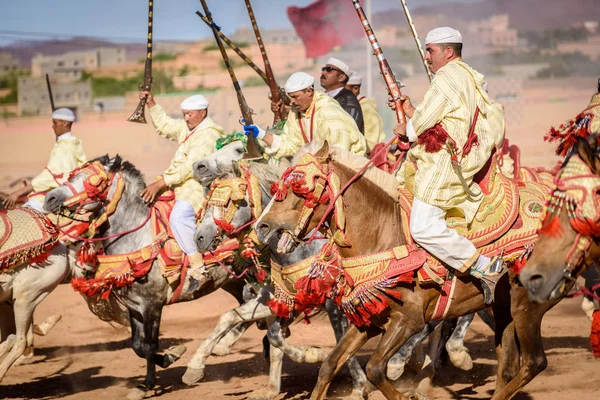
[25,235]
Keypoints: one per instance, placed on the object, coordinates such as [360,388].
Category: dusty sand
[84,358]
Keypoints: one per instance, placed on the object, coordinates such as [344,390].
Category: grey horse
[146,297]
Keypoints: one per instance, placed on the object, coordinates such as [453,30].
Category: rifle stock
[138,115]
[253,151]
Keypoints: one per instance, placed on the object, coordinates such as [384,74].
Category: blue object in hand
[251,130]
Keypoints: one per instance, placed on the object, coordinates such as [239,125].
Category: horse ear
[323,152]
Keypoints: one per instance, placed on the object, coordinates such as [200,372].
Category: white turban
[298,81]
[195,102]
[355,79]
[444,34]
[339,64]
[63,114]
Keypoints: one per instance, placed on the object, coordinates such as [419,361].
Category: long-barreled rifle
[50,93]
[411,25]
[253,151]
[138,115]
[270,77]
[389,77]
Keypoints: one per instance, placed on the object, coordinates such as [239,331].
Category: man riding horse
[315,116]
[67,154]
[454,140]
[197,135]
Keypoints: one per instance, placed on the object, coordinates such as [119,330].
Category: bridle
[576,189]
[317,183]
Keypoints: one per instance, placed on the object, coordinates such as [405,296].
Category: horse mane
[385,181]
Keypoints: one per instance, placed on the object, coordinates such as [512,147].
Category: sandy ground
[84,358]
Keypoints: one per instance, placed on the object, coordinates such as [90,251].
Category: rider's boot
[197,273]
[488,271]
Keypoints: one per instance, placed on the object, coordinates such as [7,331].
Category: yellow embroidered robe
[330,122]
[193,146]
[373,123]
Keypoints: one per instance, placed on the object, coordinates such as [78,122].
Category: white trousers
[183,225]
[428,228]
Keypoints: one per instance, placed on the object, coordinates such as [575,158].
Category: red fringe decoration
[87,255]
[433,139]
[41,258]
[261,275]
[279,308]
[551,226]
[518,265]
[595,334]
[568,134]
[227,227]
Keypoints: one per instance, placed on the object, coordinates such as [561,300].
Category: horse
[567,246]
[222,165]
[22,289]
[128,228]
[403,309]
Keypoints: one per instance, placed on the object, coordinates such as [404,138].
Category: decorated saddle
[25,236]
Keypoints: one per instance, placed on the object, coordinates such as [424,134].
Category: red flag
[325,24]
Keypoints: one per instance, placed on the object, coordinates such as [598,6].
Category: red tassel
[227,227]
[595,334]
[518,265]
[551,226]
[279,308]
[40,258]
[433,139]
[261,275]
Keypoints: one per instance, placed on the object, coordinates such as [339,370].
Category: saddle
[506,221]
[31,241]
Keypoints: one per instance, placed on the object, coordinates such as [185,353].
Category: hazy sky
[126,19]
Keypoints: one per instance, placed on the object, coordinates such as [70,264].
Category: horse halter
[96,187]
[577,189]
[317,184]
[226,195]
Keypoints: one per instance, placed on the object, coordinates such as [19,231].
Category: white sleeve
[410,132]
[275,145]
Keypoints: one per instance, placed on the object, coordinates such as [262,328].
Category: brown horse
[374,224]
[568,238]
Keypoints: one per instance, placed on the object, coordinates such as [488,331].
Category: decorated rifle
[233,47]
[138,115]
[50,93]
[386,71]
[270,77]
[253,151]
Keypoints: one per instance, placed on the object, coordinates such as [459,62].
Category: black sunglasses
[329,69]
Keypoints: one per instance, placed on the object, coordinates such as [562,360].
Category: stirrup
[489,277]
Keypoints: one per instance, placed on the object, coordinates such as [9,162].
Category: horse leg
[399,330]
[349,344]
[397,363]
[527,324]
[247,312]
[23,307]
[223,347]
[458,353]
[299,354]
[339,323]
[274,386]
[45,327]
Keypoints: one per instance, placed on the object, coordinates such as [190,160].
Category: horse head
[219,164]
[86,188]
[299,202]
[567,242]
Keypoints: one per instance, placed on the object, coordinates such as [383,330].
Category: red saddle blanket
[25,236]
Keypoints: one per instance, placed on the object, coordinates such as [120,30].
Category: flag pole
[411,25]
[369,56]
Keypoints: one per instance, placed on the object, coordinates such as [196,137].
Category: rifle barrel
[50,93]
[138,115]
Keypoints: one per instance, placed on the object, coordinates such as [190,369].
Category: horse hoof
[47,325]
[192,376]
[415,396]
[220,350]
[175,352]
[394,371]
[359,394]
[262,394]
[136,394]
[461,359]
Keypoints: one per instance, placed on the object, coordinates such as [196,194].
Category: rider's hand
[151,191]
[409,109]
[255,131]
[149,98]
[400,129]
[11,201]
